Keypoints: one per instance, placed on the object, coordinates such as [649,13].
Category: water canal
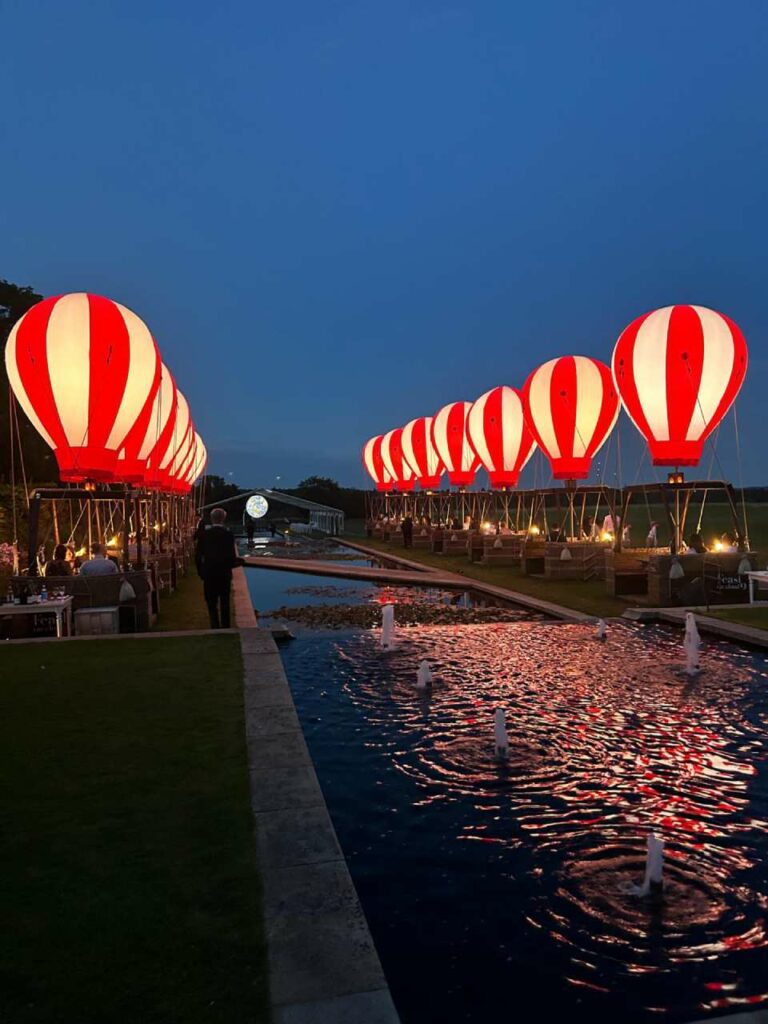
[503,887]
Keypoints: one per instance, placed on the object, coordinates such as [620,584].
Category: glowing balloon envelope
[374,464]
[571,406]
[449,436]
[85,370]
[678,371]
[421,454]
[500,436]
[395,463]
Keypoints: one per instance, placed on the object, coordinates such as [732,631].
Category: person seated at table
[98,564]
[696,543]
[59,565]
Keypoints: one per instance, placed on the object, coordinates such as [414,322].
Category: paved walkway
[414,573]
[323,966]
[735,631]
[756,1017]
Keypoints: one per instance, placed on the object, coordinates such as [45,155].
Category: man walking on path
[216,557]
[407,527]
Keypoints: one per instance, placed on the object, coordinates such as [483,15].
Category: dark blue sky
[336,216]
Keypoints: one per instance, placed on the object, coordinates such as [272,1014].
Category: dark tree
[38,458]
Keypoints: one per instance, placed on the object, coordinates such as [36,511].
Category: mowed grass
[185,608]
[743,614]
[589,597]
[128,888]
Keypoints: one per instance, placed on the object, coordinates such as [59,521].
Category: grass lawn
[184,608]
[757,617]
[128,887]
[589,597]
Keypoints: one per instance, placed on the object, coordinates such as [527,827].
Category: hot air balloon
[179,443]
[395,464]
[374,464]
[181,460]
[169,401]
[449,436]
[85,370]
[420,454]
[571,406]
[678,371]
[201,458]
[500,436]
[133,461]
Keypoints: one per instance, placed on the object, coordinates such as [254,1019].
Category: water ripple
[607,741]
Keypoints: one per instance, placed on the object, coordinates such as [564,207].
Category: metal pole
[126,530]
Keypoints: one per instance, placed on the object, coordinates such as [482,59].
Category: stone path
[414,573]
[736,631]
[756,1017]
[323,966]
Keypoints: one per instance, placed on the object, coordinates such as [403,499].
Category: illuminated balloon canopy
[374,464]
[420,453]
[395,463]
[571,406]
[449,436]
[85,370]
[678,371]
[257,506]
[500,436]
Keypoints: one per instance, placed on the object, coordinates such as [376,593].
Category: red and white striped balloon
[500,436]
[133,461]
[85,370]
[678,371]
[398,468]
[201,458]
[421,454]
[571,406]
[374,464]
[179,443]
[449,436]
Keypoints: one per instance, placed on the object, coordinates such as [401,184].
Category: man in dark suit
[216,557]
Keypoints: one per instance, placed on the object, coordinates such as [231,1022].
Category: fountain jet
[653,883]
[424,676]
[691,644]
[387,626]
[501,739]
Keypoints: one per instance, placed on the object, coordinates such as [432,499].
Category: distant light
[257,506]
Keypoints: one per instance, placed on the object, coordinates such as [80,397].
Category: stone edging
[755,1017]
[538,604]
[323,965]
[734,631]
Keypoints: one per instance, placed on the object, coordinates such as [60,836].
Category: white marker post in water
[500,737]
[387,626]
[424,675]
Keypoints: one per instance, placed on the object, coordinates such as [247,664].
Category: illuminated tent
[500,436]
[449,436]
[374,464]
[571,406]
[395,463]
[421,454]
[85,370]
[678,371]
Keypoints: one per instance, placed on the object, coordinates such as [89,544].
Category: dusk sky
[336,216]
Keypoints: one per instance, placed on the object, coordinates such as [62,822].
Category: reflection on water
[502,886]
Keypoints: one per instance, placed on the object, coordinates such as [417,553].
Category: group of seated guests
[66,563]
